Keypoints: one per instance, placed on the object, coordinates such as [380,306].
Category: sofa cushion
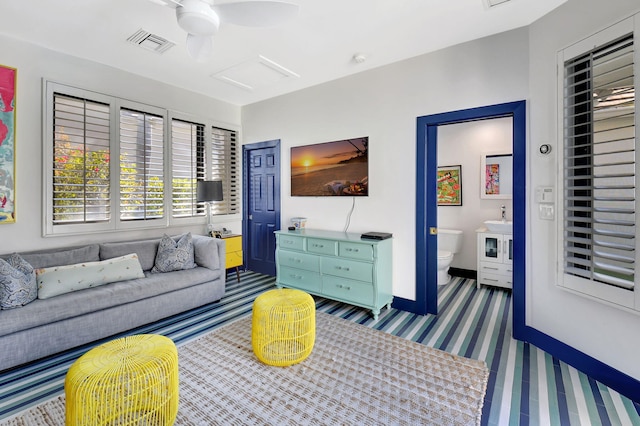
[206,252]
[17,282]
[174,255]
[145,249]
[107,296]
[48,258]
[65,279]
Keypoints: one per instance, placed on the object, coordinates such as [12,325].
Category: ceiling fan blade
[169,3]
[256,13]
[200,47]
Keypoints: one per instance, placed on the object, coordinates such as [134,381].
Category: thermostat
[545,194]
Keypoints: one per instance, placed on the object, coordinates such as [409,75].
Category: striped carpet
[526,385]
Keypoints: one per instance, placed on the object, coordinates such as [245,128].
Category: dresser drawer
[356,251]
[318,246]
[495,268]
[348,290]
[351,269]
[300,279]
[495,280]
[233,244]
[298,260]
[291,242]
[233,259]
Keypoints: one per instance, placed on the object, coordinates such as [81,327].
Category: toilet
[449,243]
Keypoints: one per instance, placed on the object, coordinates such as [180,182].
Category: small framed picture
[450,185]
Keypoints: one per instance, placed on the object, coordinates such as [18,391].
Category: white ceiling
[318,45]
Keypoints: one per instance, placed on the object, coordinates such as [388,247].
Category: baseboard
[464,273]
[615,379]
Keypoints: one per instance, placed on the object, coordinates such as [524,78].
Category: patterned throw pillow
[17,282]
[174,256]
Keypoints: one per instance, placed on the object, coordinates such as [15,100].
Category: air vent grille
[493,3]
[151,42]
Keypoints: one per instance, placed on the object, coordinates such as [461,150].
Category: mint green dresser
[336,265]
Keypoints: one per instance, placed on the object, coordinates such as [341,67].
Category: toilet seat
[444,254]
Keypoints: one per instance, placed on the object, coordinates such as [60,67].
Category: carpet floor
[354,375]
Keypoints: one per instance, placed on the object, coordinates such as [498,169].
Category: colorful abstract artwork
[492,179]
[449,186]
[7,143]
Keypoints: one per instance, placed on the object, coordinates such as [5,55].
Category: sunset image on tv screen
[331,169]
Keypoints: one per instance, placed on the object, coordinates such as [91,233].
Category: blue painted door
[262,205]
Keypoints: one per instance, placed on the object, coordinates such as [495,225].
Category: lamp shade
[209,190]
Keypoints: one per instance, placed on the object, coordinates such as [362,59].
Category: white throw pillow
[65,279]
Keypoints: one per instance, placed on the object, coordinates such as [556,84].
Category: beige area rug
[354,376]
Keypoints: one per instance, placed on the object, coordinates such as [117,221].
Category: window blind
[188,167]
[224,167]
[599,165]
[141,166]
[80,160]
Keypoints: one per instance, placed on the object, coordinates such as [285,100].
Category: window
[224,167]
[141,166]
[599,171]
[81,159]
[87,192]
[188,167]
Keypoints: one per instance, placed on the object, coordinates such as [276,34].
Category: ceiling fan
[201,19]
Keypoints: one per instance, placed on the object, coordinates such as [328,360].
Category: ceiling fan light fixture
[198,18]
[200,47]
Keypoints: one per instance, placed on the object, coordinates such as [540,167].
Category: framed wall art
[450,185]
[496,171]
[7,144]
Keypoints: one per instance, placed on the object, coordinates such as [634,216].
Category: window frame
[607,294]
[114,224]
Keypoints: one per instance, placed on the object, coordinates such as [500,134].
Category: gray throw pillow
[174,256]
[17,282]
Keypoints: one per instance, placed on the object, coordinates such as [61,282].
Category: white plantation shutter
[141,166]
[87,192]
[600,166]
[81,159]
[188,167]
[224,167]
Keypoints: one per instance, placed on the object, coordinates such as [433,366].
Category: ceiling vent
[255,73]
[151,42]
[493,3]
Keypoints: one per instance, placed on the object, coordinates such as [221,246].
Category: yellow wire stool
[283,326]
[128,381]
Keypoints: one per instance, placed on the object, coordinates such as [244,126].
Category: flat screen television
[338,168]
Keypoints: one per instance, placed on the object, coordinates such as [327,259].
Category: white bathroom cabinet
[495,259]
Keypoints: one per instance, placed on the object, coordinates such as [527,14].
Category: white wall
[34,64]
[607,334]
[384,104]
[464,144]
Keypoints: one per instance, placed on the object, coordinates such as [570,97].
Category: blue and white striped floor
[526,386]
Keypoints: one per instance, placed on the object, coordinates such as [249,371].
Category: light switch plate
[546,211]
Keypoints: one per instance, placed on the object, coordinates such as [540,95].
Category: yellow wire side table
[128,381]
[283,326]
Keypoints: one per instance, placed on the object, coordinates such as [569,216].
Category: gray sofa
[48,326]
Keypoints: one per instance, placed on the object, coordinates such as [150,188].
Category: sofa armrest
[209,252]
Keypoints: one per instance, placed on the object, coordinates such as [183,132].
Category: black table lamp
[208,191]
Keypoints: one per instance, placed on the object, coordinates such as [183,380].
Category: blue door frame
[426,206]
